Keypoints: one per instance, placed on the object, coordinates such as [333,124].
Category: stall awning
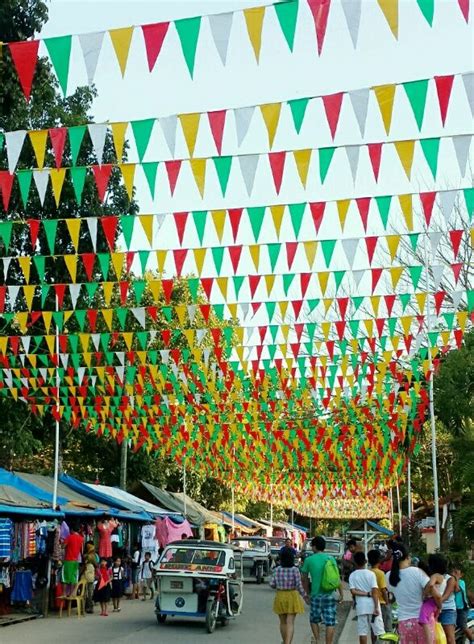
[133,502]
[196,513]
[21,497]
[380,528]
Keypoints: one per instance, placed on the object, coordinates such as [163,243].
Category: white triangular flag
[435,237]
[245,309]
[200,335]
[96,340]
[98,132]
[350,248]
[447,199]
[25,341]
[74,291]
[248,167]
[139,313]
[14,143]
[437,273]
[352,152]
[456,297]
[168,126]
[360,101]
[220,25]
[120,356]
[64,359]
[41,178]
[351,10]
[91,45]
[81,372]
[206,355]
[191,308]
[12,295]
[243,116]
[468,80]
[159,220]
[462,145]
[358,275]
[165,355]
[6,264]
[120,371]
[92,226]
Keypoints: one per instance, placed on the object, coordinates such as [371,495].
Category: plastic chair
[78,596]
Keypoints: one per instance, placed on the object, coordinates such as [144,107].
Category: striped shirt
[6,535]
[287,579]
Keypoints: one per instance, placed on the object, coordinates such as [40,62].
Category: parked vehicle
[199,579]
[256,557]
[334,547]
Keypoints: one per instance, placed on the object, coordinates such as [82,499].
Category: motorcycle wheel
[161,619]
[211,616]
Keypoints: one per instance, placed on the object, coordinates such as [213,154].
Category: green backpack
[331,579]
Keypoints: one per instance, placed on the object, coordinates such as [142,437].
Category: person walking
[375,559]
[365,590]
[462,603]
[286,579]
[447,589]
[146,576]
[323,603]
[409,584]
[118,577]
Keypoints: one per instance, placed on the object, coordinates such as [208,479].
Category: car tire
[211,616]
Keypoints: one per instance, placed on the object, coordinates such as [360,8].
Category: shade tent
[21,497]
[133,502]
[251,526]
[380,528]
[237,524]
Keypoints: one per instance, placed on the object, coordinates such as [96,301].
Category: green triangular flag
[357,301]
[223,165]
[338,277]
[104,264]
[328,246]
[237,280]
[24,179]
[256,216]
[6,228]
[142,133]
[415,274]
[91,288]
[59,50]
[273,253]
[469,199]
[150,169]
[39,261]
[143,255]
[188,33]
[81,318]
[449,318]
[470,300]
[383,204]
[427,9]
[430,149]
[76,134]
[218,256]
[44,294]
[416,92]
[325,158]
[296,214]
[142,337]
[139,287]
[127,222]
[287,280]
[270,306]
[200,218]
[414,240]
[193,285]
[405,300]
[121,314]
[287,14]
[392,326]
[219,311]
[50,226]
[298,109]
[78,176]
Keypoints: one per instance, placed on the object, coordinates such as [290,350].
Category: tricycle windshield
[192,559]
[251,544]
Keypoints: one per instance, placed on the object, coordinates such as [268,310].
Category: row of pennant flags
[24,54]
[146,131]
[275,165]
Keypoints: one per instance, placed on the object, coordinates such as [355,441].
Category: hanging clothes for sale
[6,538]
[22,586]
[105,529]
[167,530]
[149,541]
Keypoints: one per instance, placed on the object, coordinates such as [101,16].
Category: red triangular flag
[88,259]
[109,225]
[172,169]
[6,185]
[340,328]
[371,243]
[376,274]
[254,281]
[427,201]
[363,204]
[379,323]
[216,123]
[343,303]
[25,57]
[179,257]
[234,254]
[456,271]
[34,225]
[206,308]
[464,6]
[375,154]
[60,289]
[207,284]
[277,164]
[320,11]
[130,256]
[102,176]
[439,298]
[332,106]
[180,219]
[235,215]
[154,36]
[305,279]
[167,286]
[389,302]
[317,211]
[291,248]
[297,304]
[57,137]
[455,237]
[444,85]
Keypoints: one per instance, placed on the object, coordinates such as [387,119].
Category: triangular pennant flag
[302,161]
[406,205]
[154,36]
[271,116]
[468,80]
[332,106]
[277,217]
[180,220]
[434,237]
[127,224]
[102,176]
[92,226]
[390,11]
[243,117]
[218,218]
[25,57]
[298,110]
[256,216]
[121,40]
[427,9]
[41,178]
[444,85]
[393,242]
[328,246]
[200,219]
[430,149]
[462,145]
[188,33]
[50,226]
[221,25]
[248,167]
[352,152]
[287,14]
[254,21]
[385,95]
[350,249]
[128,175]
[223,166]
[447,200]
[91,45]
[342,209]
[76,135]
[198,168]
[98,132]
[59,50]
[142,132]
[78,177]
[172,170]
[14,143]
[277,165]
[24,180]
[57,136]
[150,169]
[190,126]
[464,6]
[359,100]
[216,123]
[320,12]
[375,156]
[57,181]
[405,151]
[168,126]
[416,92]
[325,158]
[427,201]
[352,11]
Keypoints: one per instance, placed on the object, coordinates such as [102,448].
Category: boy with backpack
[322,569]
[146,576]
[364,587]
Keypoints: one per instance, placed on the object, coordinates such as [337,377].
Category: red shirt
[73,547]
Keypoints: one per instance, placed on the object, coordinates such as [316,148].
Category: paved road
[137,623]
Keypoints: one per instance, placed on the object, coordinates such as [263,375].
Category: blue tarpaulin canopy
[380,528]
[21,497]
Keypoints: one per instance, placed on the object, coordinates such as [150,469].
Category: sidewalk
[349,632]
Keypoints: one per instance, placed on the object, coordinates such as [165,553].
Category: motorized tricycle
[256,557]
[199,579]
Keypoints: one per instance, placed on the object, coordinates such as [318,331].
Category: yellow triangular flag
[121,39]
[302,160]
[254,250]
[405,151]
[421,301]
[283,306]
[462,319]
[342,208]
[107,288]
[271,116]
[38,140]
[47,317]
[71,265]
[117,263]
[147,225]
[190,127]
[406,321]
[74,228]
[385,95]
[128,174]
[232,306]
[155,290]
[375,302]
[277,216]
[22,320]
[369,325]
[326,329]
[118,135]
[199,257]
[269,283]
[390,11]
[128,339]
[393,242]
[323,278]
[254,20]
[222,284]
[395,273]
[57,176]
[198,168]
[29,293]
[328,302]
[161,256]
[84,338]
[406,204]
[25,265]
[310,248]
[218,217]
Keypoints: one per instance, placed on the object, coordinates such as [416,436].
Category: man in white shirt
[363,586]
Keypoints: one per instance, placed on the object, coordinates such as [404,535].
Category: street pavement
[137,623]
